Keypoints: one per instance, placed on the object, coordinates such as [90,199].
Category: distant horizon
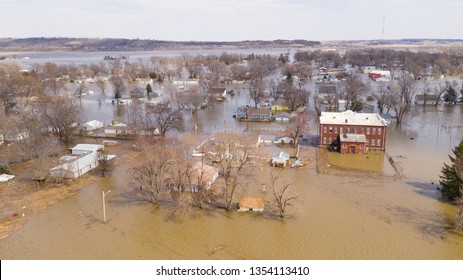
[234,41]
[233,20]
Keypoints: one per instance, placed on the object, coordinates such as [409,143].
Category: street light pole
[104,205]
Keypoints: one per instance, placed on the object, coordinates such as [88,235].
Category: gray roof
[281,155]
[356,138]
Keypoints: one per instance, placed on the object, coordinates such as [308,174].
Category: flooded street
[373,213]
[362,216]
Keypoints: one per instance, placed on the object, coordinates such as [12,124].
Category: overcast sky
[232,20]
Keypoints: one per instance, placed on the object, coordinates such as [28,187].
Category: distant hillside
[93,45]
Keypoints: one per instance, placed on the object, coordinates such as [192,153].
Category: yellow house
[280,106]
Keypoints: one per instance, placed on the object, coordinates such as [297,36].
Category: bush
[4,169]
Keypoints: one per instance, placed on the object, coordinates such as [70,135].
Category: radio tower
[382,34]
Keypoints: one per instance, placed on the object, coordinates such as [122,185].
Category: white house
[280,159]
[75,165]
[83,158]
[122,130]
[92,125]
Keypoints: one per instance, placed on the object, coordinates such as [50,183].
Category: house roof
[353,138]
[88,147]
[206,171]
[251,202]
[258,111]
[352,118]
[280,155]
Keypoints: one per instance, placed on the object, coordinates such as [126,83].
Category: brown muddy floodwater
[344,215]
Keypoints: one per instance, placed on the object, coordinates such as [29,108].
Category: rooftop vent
[346,120]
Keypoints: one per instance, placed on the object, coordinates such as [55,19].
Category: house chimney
[346,120]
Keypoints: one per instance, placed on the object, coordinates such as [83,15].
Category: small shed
[251,204]
[280,159]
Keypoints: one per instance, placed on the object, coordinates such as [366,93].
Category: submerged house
[245,113]
[251,204]
[358,127]
[201,176]
[353,144]
[280,159]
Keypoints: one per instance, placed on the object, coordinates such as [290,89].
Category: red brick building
[351,132]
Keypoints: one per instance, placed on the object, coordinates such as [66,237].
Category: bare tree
[294,97]
[80,89]
[381,95]
[354,89]
[299,126]
[282,195]
[101,84]
[166,118]
[151,169]
[318,103]
[426,91]
[118,86]
[440,89]
[105,163]
[256,91]
[233,153]
[58,115]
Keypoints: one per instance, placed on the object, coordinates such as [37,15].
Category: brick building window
[379,131]
[368,131]
[379,142]
[373,131]
[324,140]
[336,129]
[373,142]
[331,129]
[324,129]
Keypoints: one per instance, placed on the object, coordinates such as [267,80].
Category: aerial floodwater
[373,212]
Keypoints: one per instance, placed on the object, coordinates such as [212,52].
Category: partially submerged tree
[151,169]
[58,115]
[256,90]
[232,152]
[353,91]
[282,195]
[298,127]
[119,86]
[166,118]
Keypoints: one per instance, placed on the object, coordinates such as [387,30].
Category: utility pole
[104,206]
[382,34]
